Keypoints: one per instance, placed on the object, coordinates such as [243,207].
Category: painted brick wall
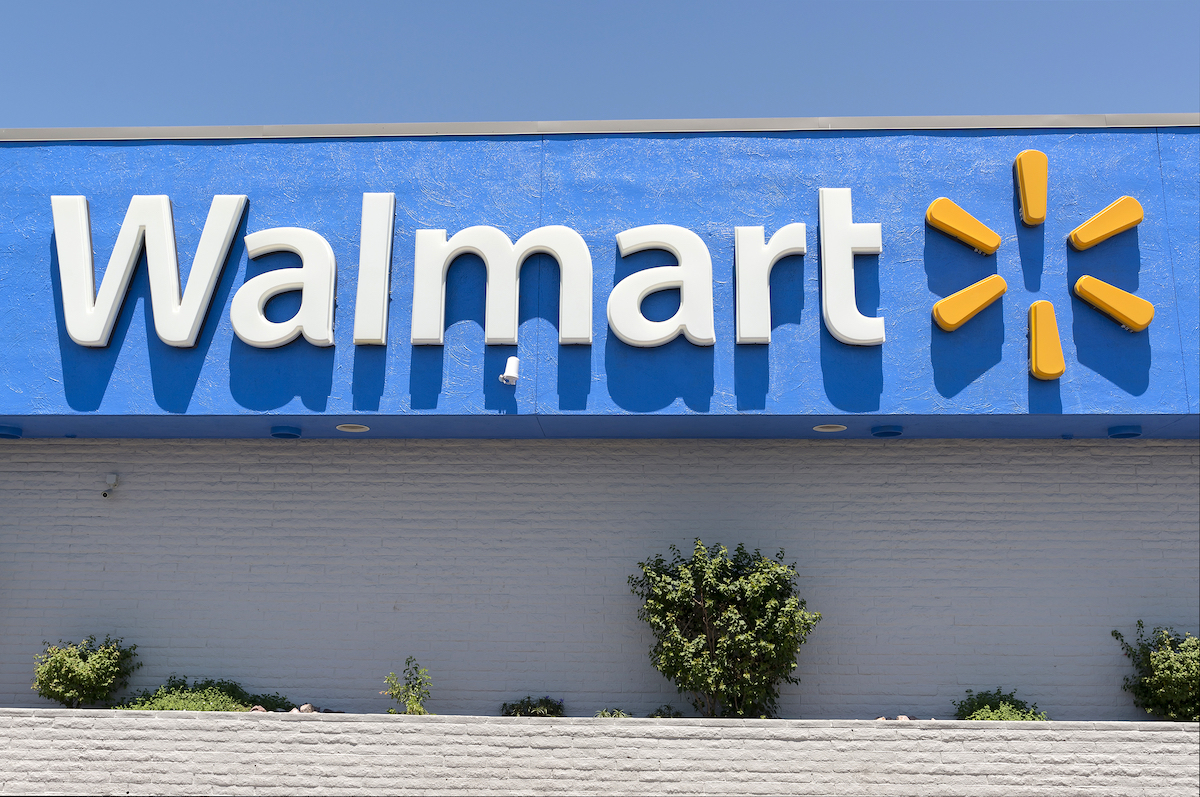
[315,567]
[102,752]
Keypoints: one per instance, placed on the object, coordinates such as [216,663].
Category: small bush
[665,712]
[167,698]
[612,713]
[727,628]
[83,674]
[412,694]
[1166,673]
[997,706]
[206,695]
[530,706]
[1007,713]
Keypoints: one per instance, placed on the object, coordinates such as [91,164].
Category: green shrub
[530,706]
[1007,712]
[727,629]
[167,698]
[665,711]
[1166,673]
[206,695]
[412,694]
[83,674]
[997,706]
[612,713]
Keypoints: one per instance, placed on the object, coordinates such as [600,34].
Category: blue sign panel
[973,381]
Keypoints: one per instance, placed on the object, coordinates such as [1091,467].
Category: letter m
[503,259]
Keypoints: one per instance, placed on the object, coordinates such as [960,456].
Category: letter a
[693,278]
[315,279]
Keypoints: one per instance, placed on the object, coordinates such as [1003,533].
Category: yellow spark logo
[1031,171]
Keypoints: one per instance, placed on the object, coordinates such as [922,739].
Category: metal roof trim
[633,126]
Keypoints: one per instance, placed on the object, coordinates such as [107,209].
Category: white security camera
[509,377]
[112,480]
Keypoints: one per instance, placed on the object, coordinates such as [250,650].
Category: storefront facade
[687,308]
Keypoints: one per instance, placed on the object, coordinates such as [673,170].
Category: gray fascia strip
[420,129]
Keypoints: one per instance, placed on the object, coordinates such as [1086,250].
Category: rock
[258,708]
[307,708]
[880,719]
[294,711]
[902,717]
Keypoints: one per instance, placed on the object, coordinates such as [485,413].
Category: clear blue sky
[86,64]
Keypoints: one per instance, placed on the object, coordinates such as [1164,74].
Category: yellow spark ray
[1045,349]
[960,225]
[959,308]
[1132,312]
[1124,214]
[1033,174]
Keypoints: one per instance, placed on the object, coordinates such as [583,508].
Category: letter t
[841,240]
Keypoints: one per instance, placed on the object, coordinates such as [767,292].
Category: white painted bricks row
[56,751]
[315,567]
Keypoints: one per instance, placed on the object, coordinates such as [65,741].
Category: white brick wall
[103,752]
[315,567]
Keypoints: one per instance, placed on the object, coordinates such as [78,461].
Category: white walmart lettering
[90,316]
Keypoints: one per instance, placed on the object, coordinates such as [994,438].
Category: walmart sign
[947,283]
[148,227]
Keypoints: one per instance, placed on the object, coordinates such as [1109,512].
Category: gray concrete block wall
[109,752]
[315,567]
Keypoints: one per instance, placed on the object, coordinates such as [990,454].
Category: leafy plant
[996,706]
[83,674]
[1007,713]
[176,697]
[727,629]
[612,713]
[665,712]
[206,695]
[412,694]
[1166,673]
[530,706]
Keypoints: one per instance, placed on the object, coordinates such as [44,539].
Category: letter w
[90,316]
